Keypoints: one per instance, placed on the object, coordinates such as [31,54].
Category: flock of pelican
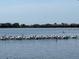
[36,37]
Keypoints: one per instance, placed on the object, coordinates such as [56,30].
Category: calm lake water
[39,49]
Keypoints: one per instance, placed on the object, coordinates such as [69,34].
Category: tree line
[54,25]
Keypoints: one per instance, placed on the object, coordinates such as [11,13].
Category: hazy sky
[39,11]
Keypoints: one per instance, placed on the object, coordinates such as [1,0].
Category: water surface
[39,49]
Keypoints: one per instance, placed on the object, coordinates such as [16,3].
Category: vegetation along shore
[54,25]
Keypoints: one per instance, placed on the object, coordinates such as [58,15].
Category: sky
[39,11]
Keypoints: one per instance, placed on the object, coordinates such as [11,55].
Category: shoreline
[47,25]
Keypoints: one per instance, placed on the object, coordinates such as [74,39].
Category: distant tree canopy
[16,25]
[54,25]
